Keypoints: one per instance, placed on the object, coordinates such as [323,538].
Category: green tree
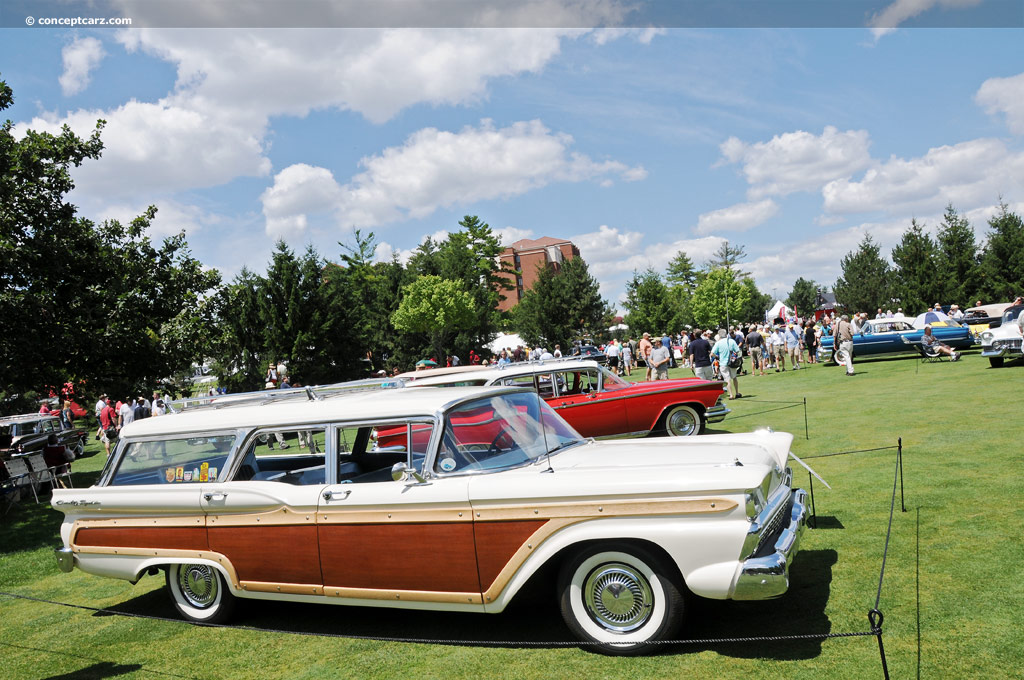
[648,305]
[719,299]
[681,273]
[561,306]
[1002,264]
[865,283]
[756,305]
[438,308]
[728,257]
[957,260]
[239,357]
[120,310]
[803,298]
[915,279]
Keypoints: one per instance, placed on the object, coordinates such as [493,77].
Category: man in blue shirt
[794,341]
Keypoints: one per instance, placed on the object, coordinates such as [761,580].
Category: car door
[591,411]
[381,539]
[263,519]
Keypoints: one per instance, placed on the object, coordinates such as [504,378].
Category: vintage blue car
[896,336]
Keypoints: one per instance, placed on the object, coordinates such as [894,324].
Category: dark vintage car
[589,352]
[26,434]
[896,336]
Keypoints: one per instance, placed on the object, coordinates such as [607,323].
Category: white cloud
[172,217]
[509,235]
[436,168]
[886,21]
[966,174]
[1004,95]
[298,190]
[162,147]
[80,58]
[798,161]
[739,217]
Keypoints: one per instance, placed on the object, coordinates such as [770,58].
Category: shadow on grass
[103,669]
[826,522]
[533,619]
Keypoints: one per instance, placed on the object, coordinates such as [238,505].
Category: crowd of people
[113,415]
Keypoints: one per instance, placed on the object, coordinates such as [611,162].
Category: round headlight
[986,336]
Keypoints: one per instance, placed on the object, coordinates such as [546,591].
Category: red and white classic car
[460,520]
[595,401]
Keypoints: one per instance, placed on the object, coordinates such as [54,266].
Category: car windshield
[1010,315]
[499,432]
[612,381]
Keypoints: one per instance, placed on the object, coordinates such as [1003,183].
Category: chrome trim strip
[717,413]
[766,577]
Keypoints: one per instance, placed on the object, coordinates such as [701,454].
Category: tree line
[103,306]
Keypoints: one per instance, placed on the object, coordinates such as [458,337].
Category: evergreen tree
[648,305]
[803,298]
[1002,264]
[728,257]
[681,273]
[561,306]
[915,279]
[957,260]
[239,358]
[865,283]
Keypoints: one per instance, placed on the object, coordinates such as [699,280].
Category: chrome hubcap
[681,423]
[618,597]
[198,585]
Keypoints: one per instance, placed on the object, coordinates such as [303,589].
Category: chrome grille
[773,526]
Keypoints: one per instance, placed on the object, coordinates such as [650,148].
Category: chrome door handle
[330,495]
[215,496]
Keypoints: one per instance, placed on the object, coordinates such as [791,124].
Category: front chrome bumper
[717,413]
[1000,352]
[65,559]
[767,576]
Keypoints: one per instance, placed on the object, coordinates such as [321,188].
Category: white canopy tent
[505,340]
[778,310]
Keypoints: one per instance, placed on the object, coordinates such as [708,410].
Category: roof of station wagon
[379,404]
[446,375]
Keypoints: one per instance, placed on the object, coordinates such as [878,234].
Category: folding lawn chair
[41,471]
[21,476]
[930,354]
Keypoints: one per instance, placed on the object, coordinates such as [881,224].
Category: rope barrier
[875,615]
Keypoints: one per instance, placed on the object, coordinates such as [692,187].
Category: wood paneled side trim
[397,514]
[137,522]
[289,588]
[172,538]
[520,556]
[604,508]
[508,512]
[403,595]
[271,518]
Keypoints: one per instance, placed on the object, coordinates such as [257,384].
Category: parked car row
[894,336]
[27,434]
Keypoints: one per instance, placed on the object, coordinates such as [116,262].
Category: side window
[519,381]
[367,453]
[173,461]
[289,456]
[544,385]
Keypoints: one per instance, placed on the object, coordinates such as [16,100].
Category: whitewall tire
[683,421]
[199,593]
[621,597]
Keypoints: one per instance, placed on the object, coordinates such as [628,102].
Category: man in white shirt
[125,413]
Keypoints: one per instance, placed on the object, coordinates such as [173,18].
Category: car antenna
[548,456]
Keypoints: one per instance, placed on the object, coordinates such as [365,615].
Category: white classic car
[1004,341]
[431,498]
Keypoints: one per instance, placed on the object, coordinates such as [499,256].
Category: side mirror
[400,472]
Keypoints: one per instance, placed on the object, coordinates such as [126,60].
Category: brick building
[526,256]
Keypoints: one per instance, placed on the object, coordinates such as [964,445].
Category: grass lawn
[952,597]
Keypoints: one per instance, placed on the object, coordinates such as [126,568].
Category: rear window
[188,460]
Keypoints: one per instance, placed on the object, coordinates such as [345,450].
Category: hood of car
[707,464]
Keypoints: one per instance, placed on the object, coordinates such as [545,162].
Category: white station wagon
[436,498]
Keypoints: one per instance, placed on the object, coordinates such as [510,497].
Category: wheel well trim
[697,406]
[566,542]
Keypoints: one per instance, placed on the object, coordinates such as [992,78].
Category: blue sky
[633,143]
